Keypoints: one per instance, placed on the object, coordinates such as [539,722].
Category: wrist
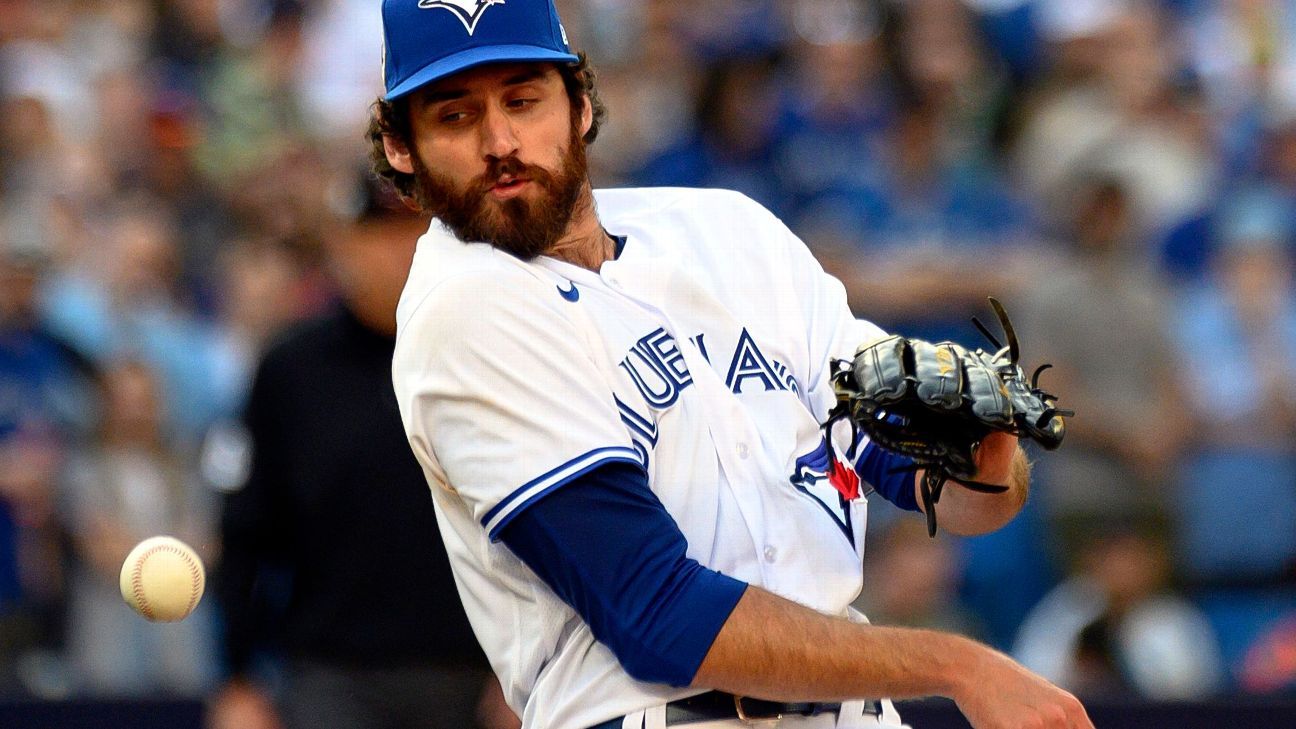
[961,673]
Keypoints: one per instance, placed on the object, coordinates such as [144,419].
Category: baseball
[162,579]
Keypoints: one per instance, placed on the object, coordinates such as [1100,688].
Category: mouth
[509,186]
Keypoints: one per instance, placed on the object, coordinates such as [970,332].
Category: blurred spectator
[1115,628]
[44,405]
[1253,628]
[372,632]
[837,106]
[263,287]
[1012,29]
[187,39]
[41,173]
[726,28]
[1101,315]
[1244,52]
[1237,338]
[649,73]
[912,580]
[130,483]
[41,65]
[1270,664]
[1005,573]
[936,239]
[335,79]
[286,199]
[920,226]
[1113,105]
[941,57]
[1278,148]
[122,299]
[253,110]
[166,168]
[732,144]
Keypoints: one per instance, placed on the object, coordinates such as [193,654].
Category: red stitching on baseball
[137,583]
[137,578]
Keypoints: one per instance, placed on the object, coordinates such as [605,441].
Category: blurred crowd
[1121,173]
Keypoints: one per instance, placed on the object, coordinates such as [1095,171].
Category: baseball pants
[853,715]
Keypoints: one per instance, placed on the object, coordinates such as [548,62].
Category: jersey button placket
[742,450]
[771,554]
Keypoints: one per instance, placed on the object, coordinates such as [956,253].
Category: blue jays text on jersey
[657,368]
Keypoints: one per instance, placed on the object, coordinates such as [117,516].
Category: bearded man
[616,397]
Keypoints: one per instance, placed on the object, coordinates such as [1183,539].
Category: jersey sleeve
[607,546]
[832,333]
[501,397]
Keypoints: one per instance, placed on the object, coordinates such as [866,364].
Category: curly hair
[392,119]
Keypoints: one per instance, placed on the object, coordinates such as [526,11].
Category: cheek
[458,163]
[545,141]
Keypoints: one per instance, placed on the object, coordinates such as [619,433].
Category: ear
[398,154]
[587,114]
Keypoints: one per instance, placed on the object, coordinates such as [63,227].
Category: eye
[522,103]
[452,117]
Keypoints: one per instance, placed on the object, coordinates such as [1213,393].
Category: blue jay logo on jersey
[468,11]
[830,482]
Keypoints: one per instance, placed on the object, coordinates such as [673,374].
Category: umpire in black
[335,526]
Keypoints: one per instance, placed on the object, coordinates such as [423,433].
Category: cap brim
[474,57]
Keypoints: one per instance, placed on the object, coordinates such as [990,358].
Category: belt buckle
[745,718]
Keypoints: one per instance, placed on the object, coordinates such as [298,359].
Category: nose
[499,139]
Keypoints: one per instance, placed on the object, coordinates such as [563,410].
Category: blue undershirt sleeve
[890,474]
[605,545]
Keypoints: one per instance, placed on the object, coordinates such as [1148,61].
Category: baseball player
[616,398]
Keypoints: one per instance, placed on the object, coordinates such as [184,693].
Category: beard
[517,226]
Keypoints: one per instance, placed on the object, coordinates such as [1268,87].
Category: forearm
[607,547]
[967,513]
[774,649]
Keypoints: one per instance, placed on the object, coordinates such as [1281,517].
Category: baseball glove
[936,402]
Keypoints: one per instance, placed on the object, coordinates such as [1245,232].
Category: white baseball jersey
[701,352]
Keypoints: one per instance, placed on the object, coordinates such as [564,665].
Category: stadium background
[1121,174]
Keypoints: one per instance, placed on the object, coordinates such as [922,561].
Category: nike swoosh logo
[572,294]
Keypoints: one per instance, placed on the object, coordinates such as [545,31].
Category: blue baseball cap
[427,40]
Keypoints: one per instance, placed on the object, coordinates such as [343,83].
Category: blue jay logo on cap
[468,11]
